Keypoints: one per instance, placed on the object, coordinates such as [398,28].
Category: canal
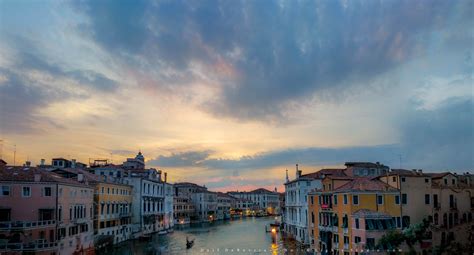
[239,236]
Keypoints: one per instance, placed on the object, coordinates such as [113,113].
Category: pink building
[42,212]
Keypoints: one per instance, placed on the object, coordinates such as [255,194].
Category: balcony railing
[34,246]
[125,214]
[8,225]
[80,220]
[326,206]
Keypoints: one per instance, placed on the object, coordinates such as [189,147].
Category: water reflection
[239,236]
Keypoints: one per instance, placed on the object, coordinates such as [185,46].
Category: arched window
[436,219]
[445,220]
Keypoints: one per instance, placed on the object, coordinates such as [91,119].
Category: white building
[204,201]
[265,201]
[224,204]
[168,205]
[295,219]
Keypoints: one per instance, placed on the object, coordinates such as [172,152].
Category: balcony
[9,225]
[325,228]
[34,246]
[326,206]
[125,214]
[79,220]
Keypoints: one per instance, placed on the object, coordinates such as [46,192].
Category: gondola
[189,244]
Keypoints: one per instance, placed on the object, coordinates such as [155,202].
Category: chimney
[27,163]
[276,190]
[287,179]
[166,176]
[73,163]
[37,177]
[298,172]
[42,162]
[80,177]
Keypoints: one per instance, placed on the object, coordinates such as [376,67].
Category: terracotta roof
[438,175]
[405,172]
[27,174]
[365,184]
[324,172]
[363,164]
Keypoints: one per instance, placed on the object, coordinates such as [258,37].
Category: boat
[189,244]
[162,232]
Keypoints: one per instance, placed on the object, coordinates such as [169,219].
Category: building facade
[349,215]
[43,213]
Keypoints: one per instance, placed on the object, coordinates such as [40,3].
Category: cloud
[304,156]
[267,56]
[31,82]
[434,139]
[440,138]
[182,159]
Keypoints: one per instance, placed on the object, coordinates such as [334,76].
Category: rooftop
[33,174]
[365,184]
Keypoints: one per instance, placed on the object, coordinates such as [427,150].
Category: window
[397,199]
[345,199]
[355,199]
[394,179]
[453,181]
[379,199]
[427,180]
[26,192]
[445,181]
[357,223]
[405,221]
[357,239]
[335,199]
[47,191]
[5,191]
[346,239]
[427,199]
[312,200]
[404,199]
[370,243]
[403,179]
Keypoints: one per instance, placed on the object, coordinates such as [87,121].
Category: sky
[230,94]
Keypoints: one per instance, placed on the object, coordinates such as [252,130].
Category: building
[445,199]
[64,163]
[225,203]
[44,213]
[351,214]
[204,201]
[135,163]
[168,213]
[295,218]
[113,203]
[183,209]
[264,201]
[148,201]
[361,169]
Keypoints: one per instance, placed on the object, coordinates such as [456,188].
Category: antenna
[400,157]
[14,155]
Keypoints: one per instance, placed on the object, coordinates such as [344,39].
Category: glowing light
[274,230]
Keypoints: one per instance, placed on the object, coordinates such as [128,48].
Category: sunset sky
[231,93]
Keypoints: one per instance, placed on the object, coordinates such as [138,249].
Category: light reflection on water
[239,236]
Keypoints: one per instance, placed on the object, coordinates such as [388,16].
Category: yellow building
[113,210]
[352,213]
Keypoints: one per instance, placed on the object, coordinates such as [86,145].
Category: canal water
[238,236]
